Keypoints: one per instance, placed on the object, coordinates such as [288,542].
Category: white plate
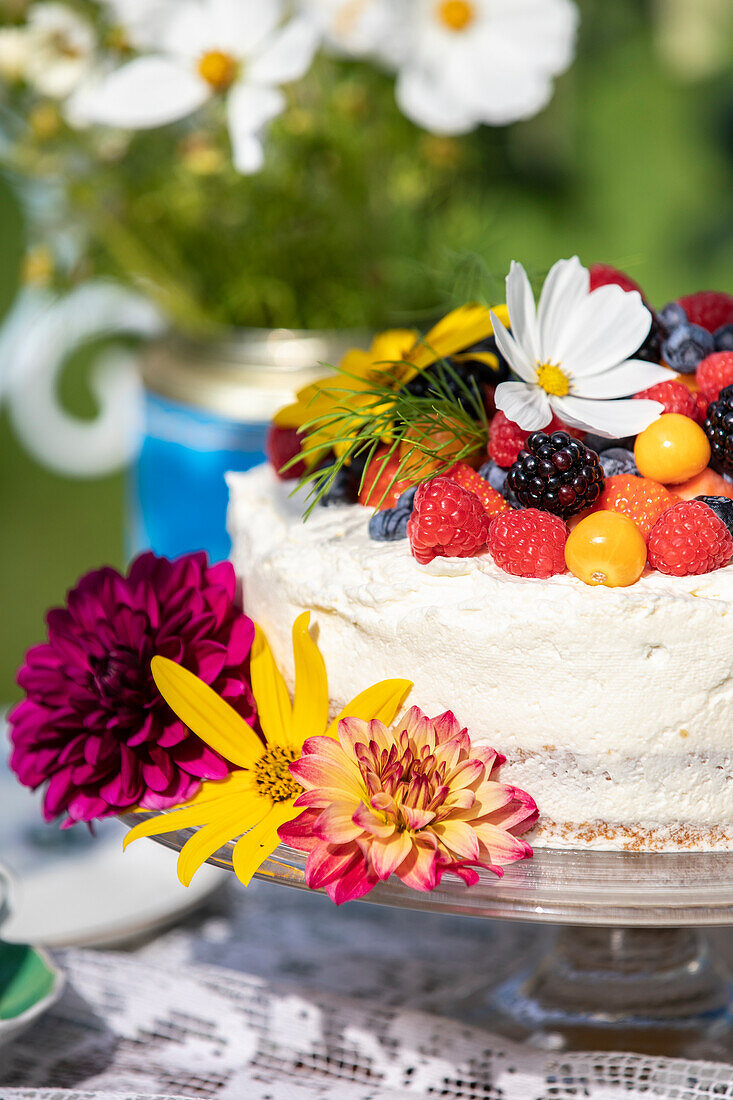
[72,889]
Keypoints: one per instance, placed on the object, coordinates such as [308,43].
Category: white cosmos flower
[483,61]
[572,354]
[356,27]
[236,48]
[53,51]
[141,21]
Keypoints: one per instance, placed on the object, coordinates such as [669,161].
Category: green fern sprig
[391,415]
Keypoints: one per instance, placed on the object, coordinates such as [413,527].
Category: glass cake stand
[631,967]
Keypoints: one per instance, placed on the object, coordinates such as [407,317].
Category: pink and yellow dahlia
[416,800]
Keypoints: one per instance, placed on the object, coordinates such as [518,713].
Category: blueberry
[599,443]
[495,475]
[344,490]
[672,316]
[389,525]
[617,460]
[723,338]
[723,508]
[686,346]
[405,501]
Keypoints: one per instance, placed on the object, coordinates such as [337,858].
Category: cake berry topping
[638,498]
[556,473]
[507,439]
[606,275]
[723,337]
[447,521]
[686,346]
[715,373]
[672,449]
[379,489]
[606,548]
[718,427]
[528,543]
[688,539]
[675,396]
[282,445]
[723,508]
[492,500]
[708,308]
[618,460]
[390,525]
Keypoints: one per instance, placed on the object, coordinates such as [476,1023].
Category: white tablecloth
[276,995]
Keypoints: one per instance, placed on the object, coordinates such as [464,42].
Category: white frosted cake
[614,706]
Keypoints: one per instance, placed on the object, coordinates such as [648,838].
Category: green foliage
[428,432]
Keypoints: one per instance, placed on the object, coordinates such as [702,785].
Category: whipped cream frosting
[614,707]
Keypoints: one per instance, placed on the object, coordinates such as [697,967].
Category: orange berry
[606,548]
[672,449]
[706,484]
[380,472]
[639,498]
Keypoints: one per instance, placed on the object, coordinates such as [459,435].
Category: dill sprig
[429,431]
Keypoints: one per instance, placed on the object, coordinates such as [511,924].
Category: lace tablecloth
[274,994]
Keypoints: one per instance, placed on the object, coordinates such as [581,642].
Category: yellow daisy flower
[401,352]
[259,797]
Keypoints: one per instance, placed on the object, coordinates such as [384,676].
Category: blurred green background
[632,164]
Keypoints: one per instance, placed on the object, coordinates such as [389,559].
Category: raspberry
[282,445]
[447,521]
[715,373]
[528,543]
[708,308]
[639,498]
[492,501]
[507,439]
[675,397]
[689,539]
[703,401]
[605,275]
[718,427]
[556,473]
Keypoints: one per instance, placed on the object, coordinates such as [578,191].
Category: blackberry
[718,427]
[557,474]
[651,350]
[468,369]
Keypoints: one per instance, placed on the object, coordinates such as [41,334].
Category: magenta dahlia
[93,724]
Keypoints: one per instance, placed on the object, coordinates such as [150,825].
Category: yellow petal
[251,851]
[310,705]
[458,330]
[187,818]
[224,827]
[206,713]
[273,702]
[380,701]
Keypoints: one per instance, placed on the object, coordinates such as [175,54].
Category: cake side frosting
[614,706]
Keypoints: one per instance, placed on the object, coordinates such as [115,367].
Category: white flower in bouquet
[53,51]
[141,21]
[483,61]
[239,49]
[572,354]
[357,27]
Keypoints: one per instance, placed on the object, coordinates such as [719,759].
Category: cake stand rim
[556,886]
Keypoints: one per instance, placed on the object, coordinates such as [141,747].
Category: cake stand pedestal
[631,967]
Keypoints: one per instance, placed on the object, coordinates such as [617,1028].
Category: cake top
[585,433]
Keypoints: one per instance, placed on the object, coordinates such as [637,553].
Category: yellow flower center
[553,380]
[218,69]
[272,775]
[456,15]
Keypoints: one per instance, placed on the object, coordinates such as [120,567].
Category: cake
[612,700]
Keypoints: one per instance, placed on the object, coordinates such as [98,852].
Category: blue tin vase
[207,408]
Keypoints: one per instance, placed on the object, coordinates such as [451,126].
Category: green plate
[29,984]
